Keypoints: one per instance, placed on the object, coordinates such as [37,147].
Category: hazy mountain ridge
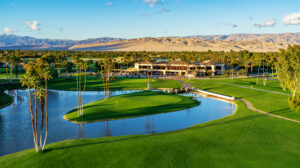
[8,41]
[252,42]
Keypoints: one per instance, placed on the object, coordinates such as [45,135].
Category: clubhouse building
[179,68]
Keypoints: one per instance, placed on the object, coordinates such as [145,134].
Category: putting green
[132,105]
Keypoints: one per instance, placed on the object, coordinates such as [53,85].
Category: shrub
[294,103]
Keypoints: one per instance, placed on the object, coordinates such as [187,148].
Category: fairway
[94,84]
[132,105]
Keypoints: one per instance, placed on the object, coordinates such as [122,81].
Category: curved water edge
[15,125]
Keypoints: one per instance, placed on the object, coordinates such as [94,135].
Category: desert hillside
[258,43]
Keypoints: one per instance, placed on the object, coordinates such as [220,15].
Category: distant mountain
[251,42]
[236,42]
[9,41]
[291,38]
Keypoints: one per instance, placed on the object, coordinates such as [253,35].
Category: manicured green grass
[272,85]
[246,139]
[5,100]
[132,105]
[269,102]
[3,75]
[94,83]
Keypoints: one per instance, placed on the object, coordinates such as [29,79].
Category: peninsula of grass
[5,100]
[132,105]
[95,84]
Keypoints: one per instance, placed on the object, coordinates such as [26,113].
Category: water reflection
[15,126]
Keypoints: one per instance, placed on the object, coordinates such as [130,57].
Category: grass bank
[94,84]
[269,102]
[132,105]
[5,100]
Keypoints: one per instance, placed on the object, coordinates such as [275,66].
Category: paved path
[250,106]
[256,89]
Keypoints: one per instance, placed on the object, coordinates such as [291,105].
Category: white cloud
[163,10]
[33,25]
[292,19]
[267,23]
[228,24]
[109,3]
[8,30]
[151,3]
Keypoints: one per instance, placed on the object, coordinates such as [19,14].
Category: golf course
[244,139]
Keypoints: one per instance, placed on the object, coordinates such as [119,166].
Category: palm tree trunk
[42,121]
[77,84]
[83,90]
[10,73]
[6,71]
[79,90]
[46,107]
[35,117]
[32,120]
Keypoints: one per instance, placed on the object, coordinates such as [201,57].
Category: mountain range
[251,42]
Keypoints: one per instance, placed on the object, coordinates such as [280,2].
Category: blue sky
[81,19]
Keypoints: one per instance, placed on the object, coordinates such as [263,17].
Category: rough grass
[94,84]
[132,105]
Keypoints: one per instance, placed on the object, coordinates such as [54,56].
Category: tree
[30,80]
[288,68]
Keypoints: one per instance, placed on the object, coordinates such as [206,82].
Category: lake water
[16,130]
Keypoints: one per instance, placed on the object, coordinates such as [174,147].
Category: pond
[16,130]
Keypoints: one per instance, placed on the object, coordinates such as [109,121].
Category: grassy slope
[132,105]
[120,84]
[245,139]
[269,102]
[5,99]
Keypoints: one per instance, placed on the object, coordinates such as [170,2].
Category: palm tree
[85,67]
[46,74]
[40,94]
[29,80]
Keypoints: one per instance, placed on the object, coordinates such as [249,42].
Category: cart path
[250,106]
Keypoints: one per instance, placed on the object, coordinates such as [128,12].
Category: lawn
[269,102]
[94,83]
[5,100]
[132,105]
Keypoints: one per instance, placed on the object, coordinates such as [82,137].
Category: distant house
[179,68]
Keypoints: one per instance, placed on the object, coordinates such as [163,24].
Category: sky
[82,19]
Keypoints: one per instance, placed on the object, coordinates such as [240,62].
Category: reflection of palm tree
[147,124]
[107,129]
[81,133]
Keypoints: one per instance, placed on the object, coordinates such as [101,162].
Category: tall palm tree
[85,67]
[46,75]
[40,94]
[29,80]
